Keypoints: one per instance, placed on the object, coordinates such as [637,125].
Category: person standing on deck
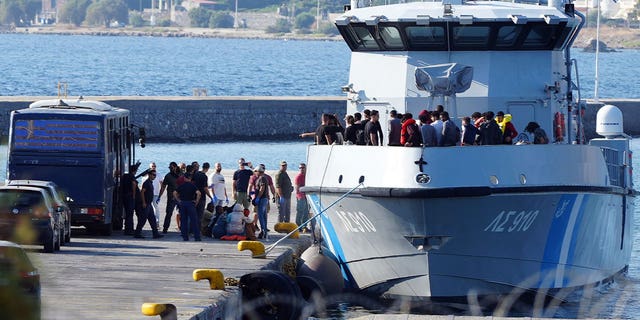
[170,184]
[217,186]
[373,131]
[241,183]
[302,207]
[157,185]
[394,127]
[283,191]
[187,194]
[147,213]
[129,187]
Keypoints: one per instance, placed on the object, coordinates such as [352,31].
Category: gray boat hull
[493,244]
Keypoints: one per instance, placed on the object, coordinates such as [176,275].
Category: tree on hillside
[103,12]
[18,12]
[200,17]
[74,11]
[304,20]
[220,19]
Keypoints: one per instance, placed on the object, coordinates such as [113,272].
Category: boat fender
[324,270]
[268,294]
[558,125]
[166,311]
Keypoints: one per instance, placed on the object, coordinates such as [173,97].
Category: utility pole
[235,19]
[318,17]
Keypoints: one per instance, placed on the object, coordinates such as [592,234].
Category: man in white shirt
[217,186]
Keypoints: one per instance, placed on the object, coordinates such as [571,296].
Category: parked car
[19,284]
[27,215]
[58,198]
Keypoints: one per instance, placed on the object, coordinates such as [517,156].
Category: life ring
[559,126]
[268,294]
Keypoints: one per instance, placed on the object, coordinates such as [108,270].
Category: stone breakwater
[211,119]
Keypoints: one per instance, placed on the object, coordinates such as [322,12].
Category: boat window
[390,36]
[425,37]
[363,38]
[475,37]
[507,36]
[540,37]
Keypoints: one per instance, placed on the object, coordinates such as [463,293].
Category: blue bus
[83,146]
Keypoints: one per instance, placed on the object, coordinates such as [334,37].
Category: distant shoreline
[613,37]
[176,32]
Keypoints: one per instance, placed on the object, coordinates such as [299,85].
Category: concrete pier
[208,119]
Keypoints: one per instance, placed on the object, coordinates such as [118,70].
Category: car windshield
[20,199]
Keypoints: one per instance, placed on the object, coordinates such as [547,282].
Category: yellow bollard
[256,248]
[286,227]
[166,311]
[215,277]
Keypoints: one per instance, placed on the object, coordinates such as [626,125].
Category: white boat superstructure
[443,222]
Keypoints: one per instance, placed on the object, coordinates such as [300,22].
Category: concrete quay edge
[227,305]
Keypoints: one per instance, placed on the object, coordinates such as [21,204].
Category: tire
[59,239]
[308,286]
[67,234]
[49,243]
[270,295]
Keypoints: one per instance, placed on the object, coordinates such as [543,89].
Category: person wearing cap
[262,199]
[302,207]
[170,183]
[284,188]
[188,195]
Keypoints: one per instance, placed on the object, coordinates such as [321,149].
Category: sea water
[168,66]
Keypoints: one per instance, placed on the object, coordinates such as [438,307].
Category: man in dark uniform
[200,179]
[187,194]
[147,213]
[129,186]
[170,183]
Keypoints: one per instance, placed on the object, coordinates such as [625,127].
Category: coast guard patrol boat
[447,222]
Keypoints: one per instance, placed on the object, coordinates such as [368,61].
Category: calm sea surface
[32,65]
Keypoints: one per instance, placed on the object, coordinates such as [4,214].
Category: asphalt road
[97,277]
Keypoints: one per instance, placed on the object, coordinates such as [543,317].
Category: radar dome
[609,122]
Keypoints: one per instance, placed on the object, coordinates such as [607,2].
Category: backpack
[219,228]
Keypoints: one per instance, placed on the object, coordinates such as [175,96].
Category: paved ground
[110,278]
[97,277]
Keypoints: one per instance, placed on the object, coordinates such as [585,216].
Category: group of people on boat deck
[434,129]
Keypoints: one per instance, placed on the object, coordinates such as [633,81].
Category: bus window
[56,135]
